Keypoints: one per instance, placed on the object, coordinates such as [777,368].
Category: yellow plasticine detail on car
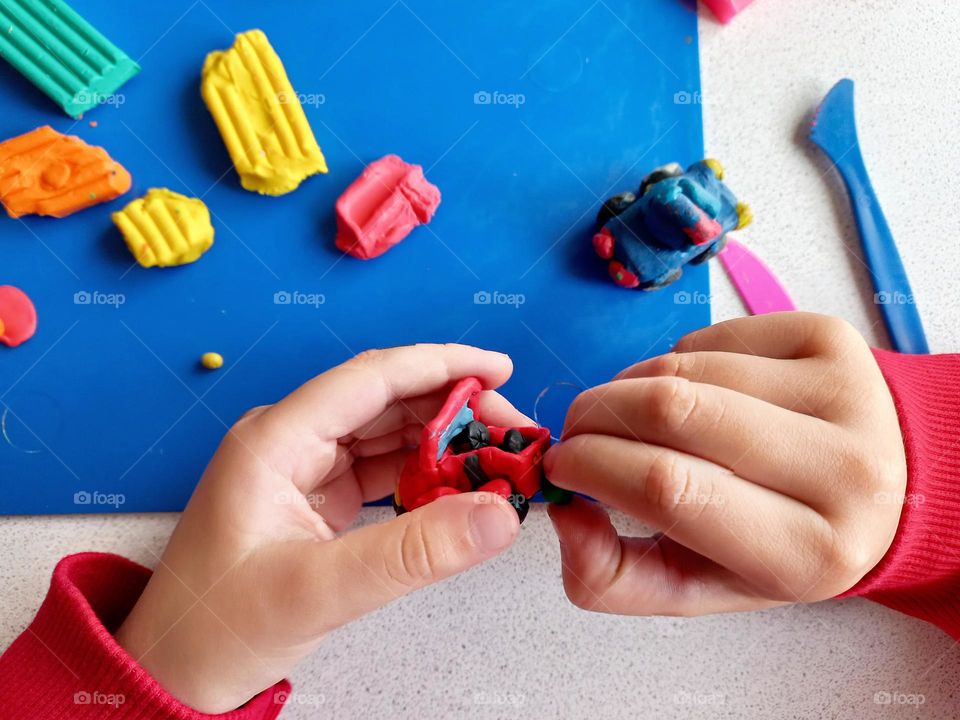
[745,214]
[164,228]
[259,116]
[716,166]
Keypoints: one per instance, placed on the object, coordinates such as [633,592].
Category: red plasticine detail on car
[465,391]
[18,316]
[706,230]
[424,478]
[621,276]
[726,9]
[603,243]
[381,207]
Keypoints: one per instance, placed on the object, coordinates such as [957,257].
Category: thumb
[607,573]
[591,553]
[372,566]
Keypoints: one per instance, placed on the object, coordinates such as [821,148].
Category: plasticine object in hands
[18,316]
[381,207]
[725,10]
[259,116]
[675,218]
[459,453]
[43,172]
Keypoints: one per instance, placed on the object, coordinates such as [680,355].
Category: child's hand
[766,450]
[255,574]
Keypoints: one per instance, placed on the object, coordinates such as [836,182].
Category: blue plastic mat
[526,115]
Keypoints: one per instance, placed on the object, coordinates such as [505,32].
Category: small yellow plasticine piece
[164,228]
[260,116]
[716,166]
[212,360]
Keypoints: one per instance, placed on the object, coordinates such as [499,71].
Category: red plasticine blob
[381,207]
[459,453]
[18,316]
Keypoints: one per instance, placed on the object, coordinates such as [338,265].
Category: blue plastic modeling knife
[834,130]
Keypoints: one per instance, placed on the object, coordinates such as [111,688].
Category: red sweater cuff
[67,665]
[920,574]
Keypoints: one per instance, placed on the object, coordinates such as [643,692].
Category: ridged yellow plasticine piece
[260,116]
[164,228]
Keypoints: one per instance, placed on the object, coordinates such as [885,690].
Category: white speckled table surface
[501,640]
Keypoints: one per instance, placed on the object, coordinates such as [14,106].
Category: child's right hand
[767,452]
[256,573]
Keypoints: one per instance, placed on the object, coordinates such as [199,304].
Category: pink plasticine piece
[18,316]
[726,9]
[755,282]
[381,207]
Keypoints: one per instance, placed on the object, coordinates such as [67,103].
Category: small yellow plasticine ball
[211,360]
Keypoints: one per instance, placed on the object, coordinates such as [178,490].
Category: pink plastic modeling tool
[755,282]
[726,9]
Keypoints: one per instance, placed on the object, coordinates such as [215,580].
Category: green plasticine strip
[62,54]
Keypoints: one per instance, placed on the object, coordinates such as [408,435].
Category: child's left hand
[255,573]
[766,450]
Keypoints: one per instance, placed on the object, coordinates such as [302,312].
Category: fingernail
[491,527]
[548,460]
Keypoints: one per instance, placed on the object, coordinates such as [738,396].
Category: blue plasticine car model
[676,218]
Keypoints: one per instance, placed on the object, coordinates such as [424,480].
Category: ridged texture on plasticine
[164,228]
[44,172]
[62,54]
[260,117]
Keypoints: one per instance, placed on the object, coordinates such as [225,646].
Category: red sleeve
[920,574]
[67,665]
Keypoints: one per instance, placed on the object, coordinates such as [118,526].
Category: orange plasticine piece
[44,172]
